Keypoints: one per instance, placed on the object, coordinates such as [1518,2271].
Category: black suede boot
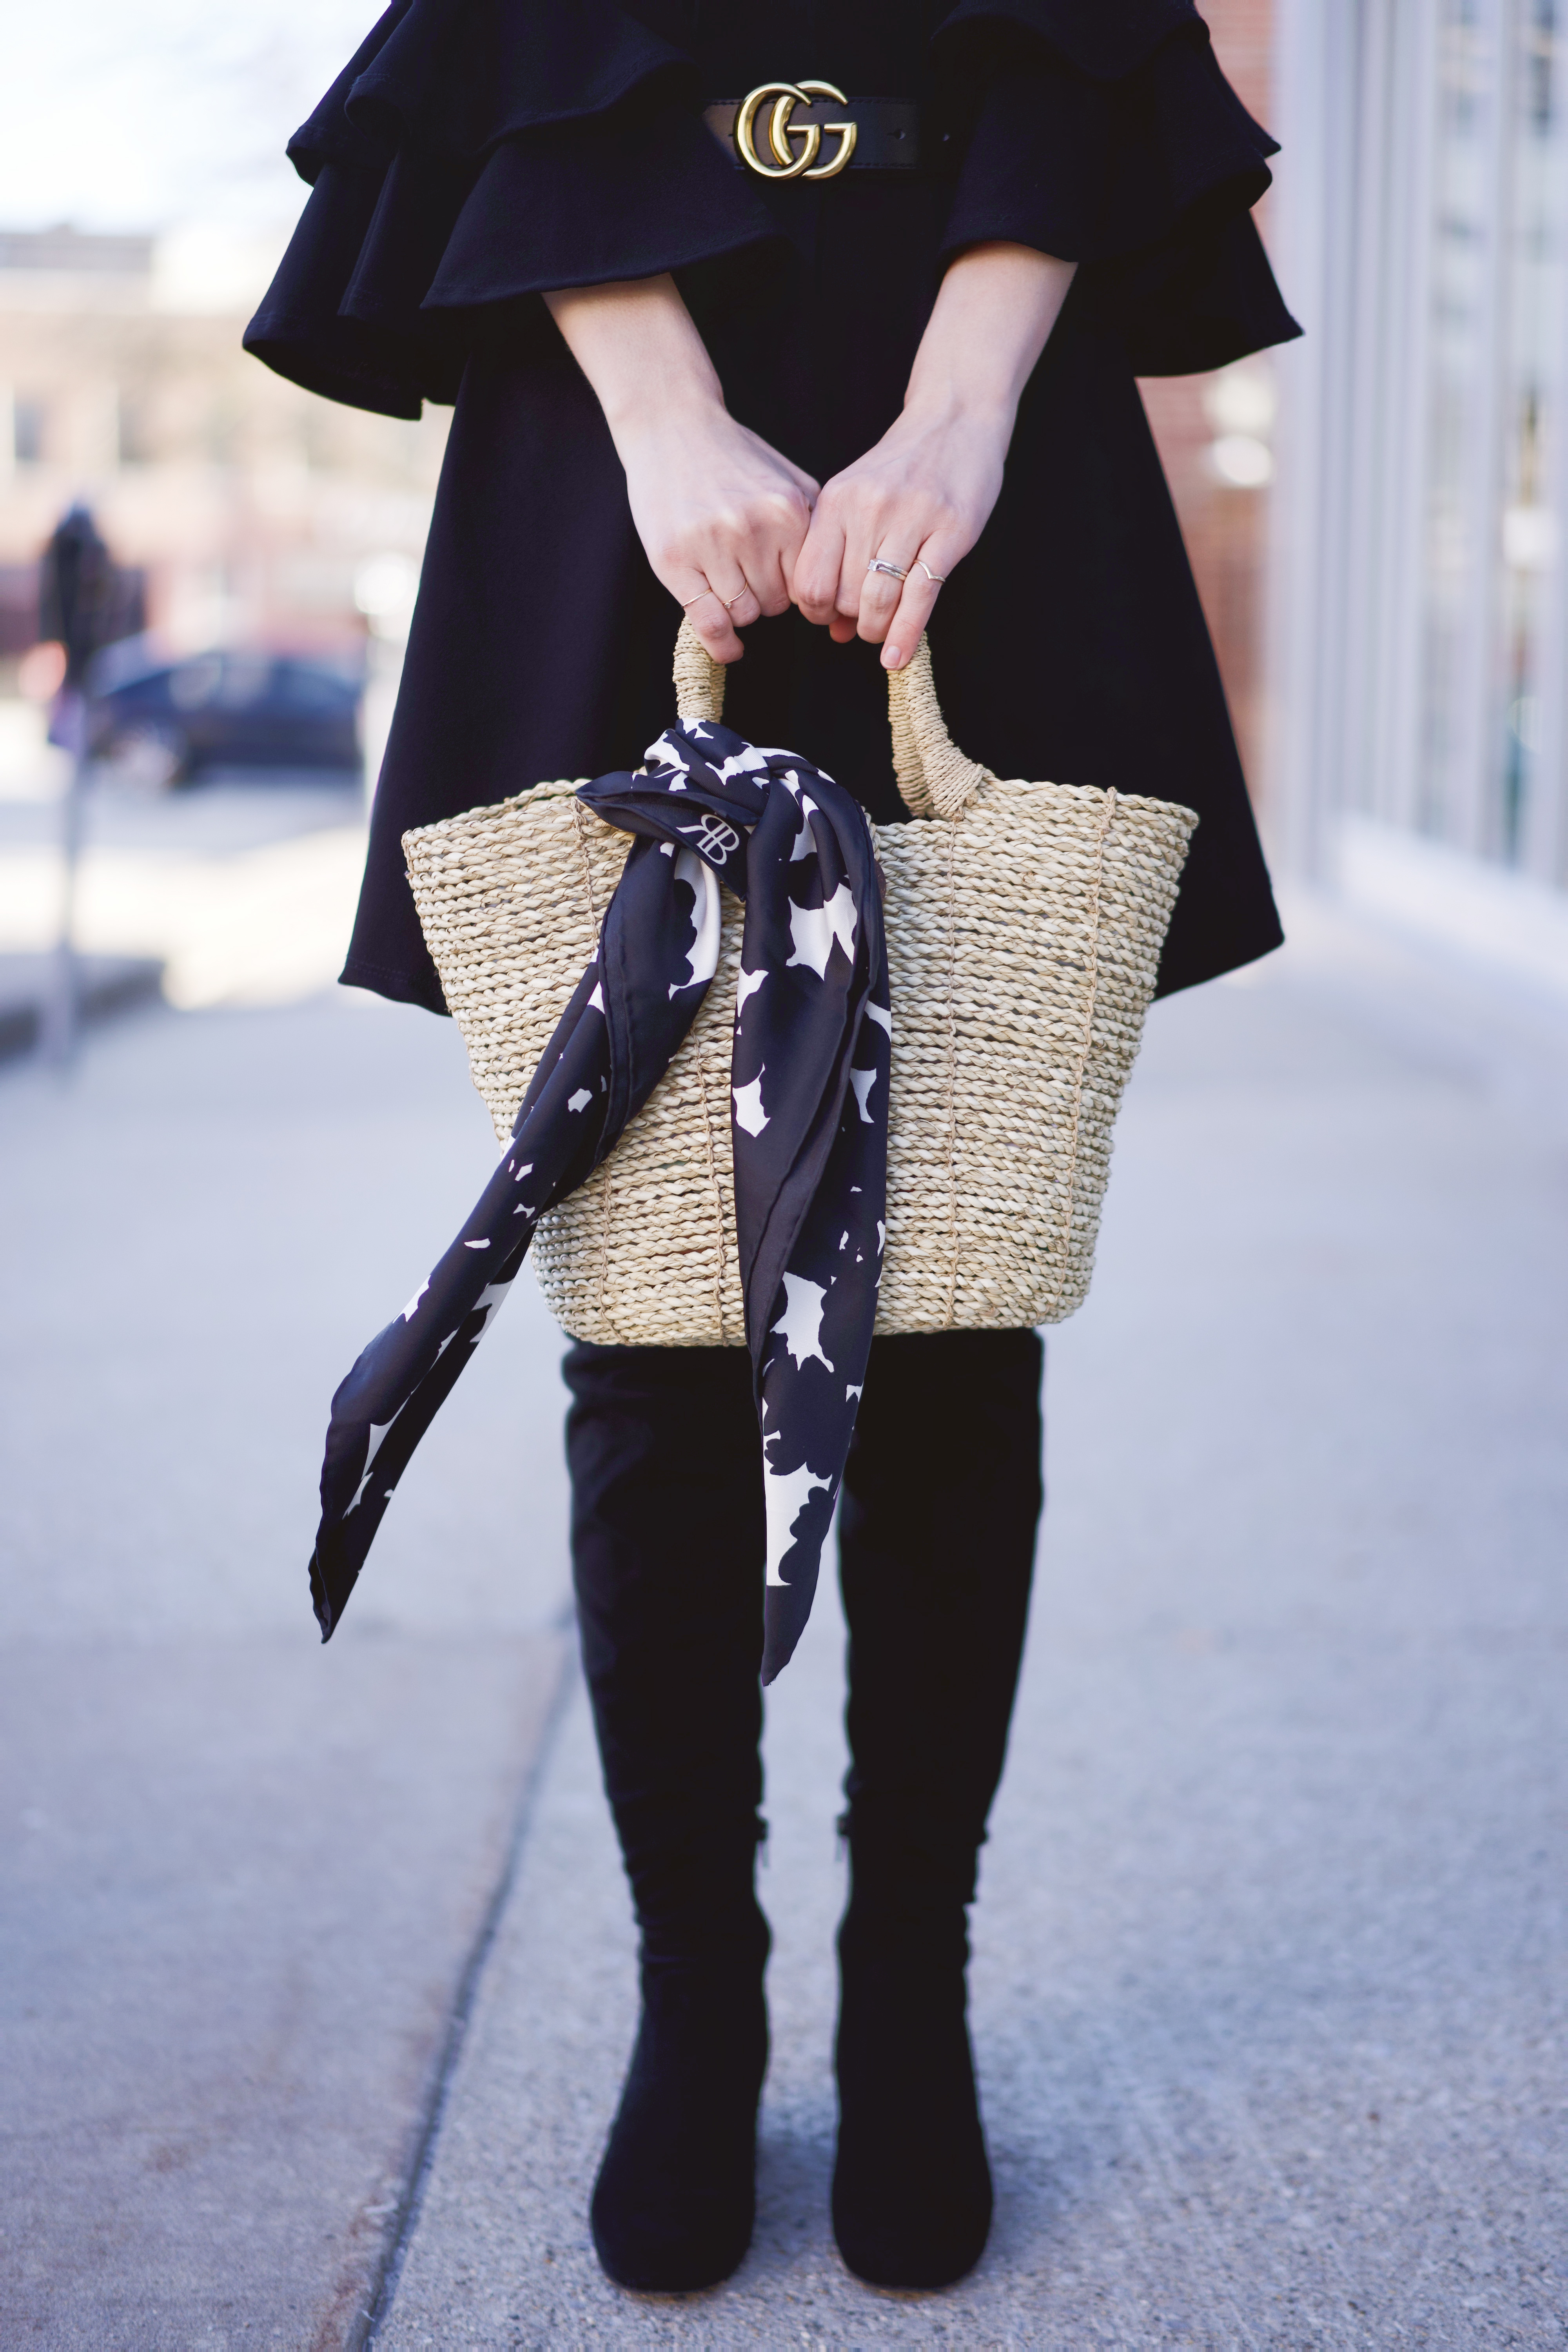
[667,1549]
[911,2187]
[942,1500]
[675,2200]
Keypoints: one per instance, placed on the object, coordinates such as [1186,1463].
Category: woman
[851,360]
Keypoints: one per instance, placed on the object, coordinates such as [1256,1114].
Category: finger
[744,605]
[865,596]
[814,574]
[916,604]
[710,616]
[770,536]
[861,543]
[881,593]
[768,574]
[731,584]
[773,593]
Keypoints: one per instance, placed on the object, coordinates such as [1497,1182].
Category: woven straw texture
[1024,923]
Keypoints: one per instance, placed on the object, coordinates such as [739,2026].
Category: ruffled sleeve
[475,154]
[1112,138]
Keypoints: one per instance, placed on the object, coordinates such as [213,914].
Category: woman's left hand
[921,499]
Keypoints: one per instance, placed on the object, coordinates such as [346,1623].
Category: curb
[106,985]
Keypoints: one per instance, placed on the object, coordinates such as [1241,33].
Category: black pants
[941,1499]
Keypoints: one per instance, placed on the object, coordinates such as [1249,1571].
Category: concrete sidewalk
[242,1878]
[1269,1989]
[1271,1985]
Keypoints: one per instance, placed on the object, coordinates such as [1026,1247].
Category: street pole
[63,1001]
[76,611]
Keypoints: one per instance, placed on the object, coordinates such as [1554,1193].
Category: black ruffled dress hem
[471,159]
[1144,173]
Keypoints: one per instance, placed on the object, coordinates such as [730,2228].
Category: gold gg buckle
[786,96]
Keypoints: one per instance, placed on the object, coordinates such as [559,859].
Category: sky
[159,114]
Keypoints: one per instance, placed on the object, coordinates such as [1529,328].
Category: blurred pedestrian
[77,594]
[828,363]
[78,602]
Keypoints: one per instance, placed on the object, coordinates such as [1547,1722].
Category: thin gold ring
[937,579]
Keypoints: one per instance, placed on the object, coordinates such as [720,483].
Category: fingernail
[891,658]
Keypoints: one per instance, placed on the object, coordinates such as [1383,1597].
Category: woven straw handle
[934,776]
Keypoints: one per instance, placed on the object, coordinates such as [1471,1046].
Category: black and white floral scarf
[809,1079]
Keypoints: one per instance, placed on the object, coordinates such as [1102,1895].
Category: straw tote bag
[1024,925]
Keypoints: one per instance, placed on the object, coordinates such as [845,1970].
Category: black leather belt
[808,131]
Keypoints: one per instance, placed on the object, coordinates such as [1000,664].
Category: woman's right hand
[721,514]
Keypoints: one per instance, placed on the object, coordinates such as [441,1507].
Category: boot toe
[912,2184]
[895,2229]
[675,2200]
[659,2238]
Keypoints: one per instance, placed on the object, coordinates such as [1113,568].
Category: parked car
[236,707]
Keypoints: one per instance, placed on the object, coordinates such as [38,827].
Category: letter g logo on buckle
[786,96]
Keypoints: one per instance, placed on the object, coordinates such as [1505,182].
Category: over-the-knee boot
[667,1548]
[941,1499]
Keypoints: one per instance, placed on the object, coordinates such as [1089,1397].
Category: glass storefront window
[1532,407]
[1492,685]
[1461,282]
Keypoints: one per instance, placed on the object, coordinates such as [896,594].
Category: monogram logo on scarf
[717,841]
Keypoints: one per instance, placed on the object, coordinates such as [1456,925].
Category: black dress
[477,152]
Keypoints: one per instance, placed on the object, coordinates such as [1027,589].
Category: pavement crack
[372,2315]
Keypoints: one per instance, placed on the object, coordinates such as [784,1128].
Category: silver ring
[937,579]
[876,564]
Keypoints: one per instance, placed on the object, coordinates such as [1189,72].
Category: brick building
[249,507]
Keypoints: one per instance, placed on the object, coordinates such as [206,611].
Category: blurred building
[1418,679]
[252,511]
